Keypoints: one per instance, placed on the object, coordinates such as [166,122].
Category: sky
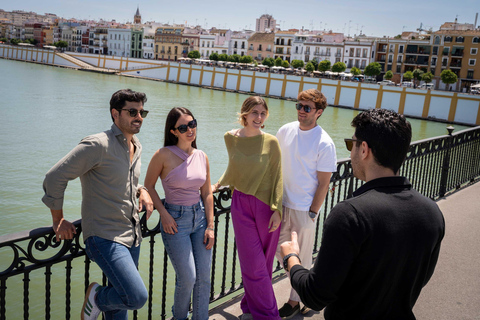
[372,17]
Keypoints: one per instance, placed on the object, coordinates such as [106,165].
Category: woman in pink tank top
[187,213]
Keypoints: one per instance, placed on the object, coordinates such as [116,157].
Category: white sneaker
[90,309]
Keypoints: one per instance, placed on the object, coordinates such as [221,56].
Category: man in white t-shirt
[308,160]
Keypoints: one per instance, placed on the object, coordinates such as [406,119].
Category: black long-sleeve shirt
[379,248]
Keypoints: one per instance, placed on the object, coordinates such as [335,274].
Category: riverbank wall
[453,107]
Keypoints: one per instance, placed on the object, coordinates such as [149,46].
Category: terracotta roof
[262,37]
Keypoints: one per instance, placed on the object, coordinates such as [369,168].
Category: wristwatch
[312,214]
[285,259]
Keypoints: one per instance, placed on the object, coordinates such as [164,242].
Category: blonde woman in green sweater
[255,176]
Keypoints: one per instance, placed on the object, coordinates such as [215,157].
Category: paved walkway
[454,290]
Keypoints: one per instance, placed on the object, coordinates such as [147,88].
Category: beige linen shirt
[109,186]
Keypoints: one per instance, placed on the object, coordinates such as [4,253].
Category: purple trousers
[256,251]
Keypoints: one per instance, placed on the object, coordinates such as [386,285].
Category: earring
[263,126]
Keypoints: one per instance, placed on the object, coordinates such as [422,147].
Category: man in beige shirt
[108,165]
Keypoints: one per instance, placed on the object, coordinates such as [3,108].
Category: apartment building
[457,50]
[266,23]
[190,42]
[283,42]
[98,41]
[260,45]
[316,48]
[136,50]
[207,42]
[168,43]
[119,42]
[148,47]
[358,53]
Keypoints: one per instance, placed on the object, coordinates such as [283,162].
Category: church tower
[137,19]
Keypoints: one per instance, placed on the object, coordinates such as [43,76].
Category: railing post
[446,163]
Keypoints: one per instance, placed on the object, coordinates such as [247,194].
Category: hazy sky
[373,17]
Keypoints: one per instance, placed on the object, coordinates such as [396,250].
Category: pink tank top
[182,184]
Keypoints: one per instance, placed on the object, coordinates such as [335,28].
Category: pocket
[176,214]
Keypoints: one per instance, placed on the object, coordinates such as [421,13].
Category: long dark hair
[172,118]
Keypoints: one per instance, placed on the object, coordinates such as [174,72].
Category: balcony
[456,64]
[457,54]
[338,55]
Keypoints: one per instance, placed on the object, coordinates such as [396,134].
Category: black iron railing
[46,279]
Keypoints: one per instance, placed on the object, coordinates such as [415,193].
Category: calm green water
[46,111]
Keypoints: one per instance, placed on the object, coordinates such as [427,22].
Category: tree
[195,54]
[315,63]
[448,76]
[269,62]
[324,65]
[373,69]
[223,57]
[417,75]
[408,76]
[234,58]
[355,71]
[297,64]
[339,67]
[278,62]
[427,77]
[15,41]
[61,44]
[246,59]
[388,75]
[213,56]
[3,40]
[285,64]
[310,67]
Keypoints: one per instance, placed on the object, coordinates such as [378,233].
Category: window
[448,39]
[446,50]
[399,68]
[476,40]
[473,51]
[434,61]
[459,39]
[400,49]
[471,62]
[435,51]
[437,40]
[470,74]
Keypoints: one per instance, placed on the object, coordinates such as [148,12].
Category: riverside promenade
[454,290]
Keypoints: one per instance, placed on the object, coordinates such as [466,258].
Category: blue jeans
[125,290]
[190,259]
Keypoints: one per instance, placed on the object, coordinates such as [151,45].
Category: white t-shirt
[303,154]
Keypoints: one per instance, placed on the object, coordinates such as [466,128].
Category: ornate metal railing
[47,279]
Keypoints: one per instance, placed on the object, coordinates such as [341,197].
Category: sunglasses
[184,127]
[134,112]
[349,143]
[307,109]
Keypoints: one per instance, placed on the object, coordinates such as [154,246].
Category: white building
[119,41]
[358,53]
[148,51]
[207,42]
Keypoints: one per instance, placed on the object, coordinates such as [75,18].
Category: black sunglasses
[307,109]
[134,112]
[349,143]
[184,127]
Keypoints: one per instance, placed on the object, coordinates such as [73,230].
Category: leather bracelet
[211,229]
[288,256]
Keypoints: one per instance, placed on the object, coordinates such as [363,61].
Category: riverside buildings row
[454,46]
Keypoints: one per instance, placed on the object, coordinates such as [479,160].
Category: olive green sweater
[254,168]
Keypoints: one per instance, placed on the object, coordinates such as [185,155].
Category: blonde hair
[314,95]
[248,106]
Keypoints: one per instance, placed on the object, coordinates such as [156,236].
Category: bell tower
[137,19]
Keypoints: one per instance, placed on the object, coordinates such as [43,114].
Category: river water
[47,110]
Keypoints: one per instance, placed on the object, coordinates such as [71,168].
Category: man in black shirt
[380,247]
